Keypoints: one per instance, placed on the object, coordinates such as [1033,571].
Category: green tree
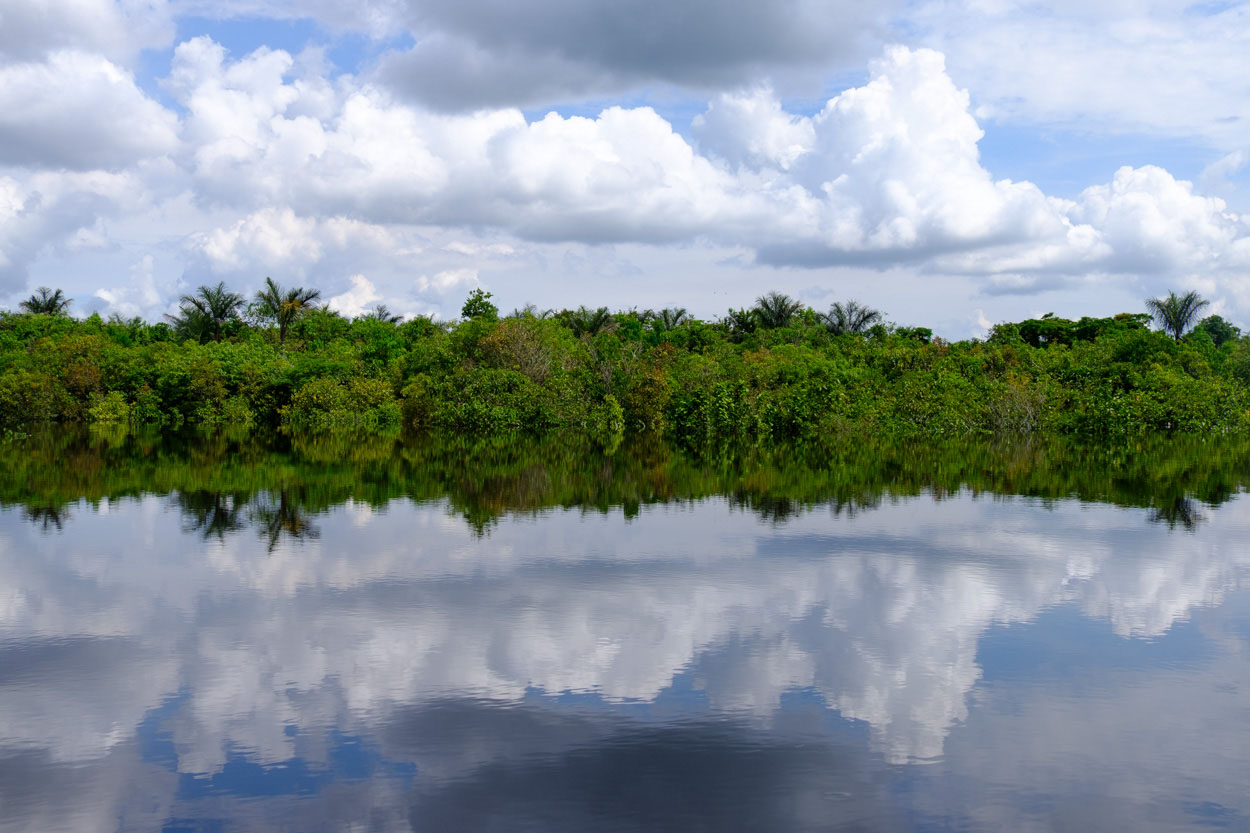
[1219,329]
[775,309]
[478,306]
[212,305]
[381,313]
[669,319]
[47,301]
[284,307]
[850,318]
[1176,313]
[191,323]
[740,322]
[584,321]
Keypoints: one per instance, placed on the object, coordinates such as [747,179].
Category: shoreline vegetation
[775,372]
[227,480]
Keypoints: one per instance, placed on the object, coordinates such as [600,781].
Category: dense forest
[776,370]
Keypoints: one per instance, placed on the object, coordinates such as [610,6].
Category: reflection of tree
[47,517]
[214,513]
[284,517]
[770,508]
[218,474]
[1181,511]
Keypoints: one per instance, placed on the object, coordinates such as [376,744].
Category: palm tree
[851,317]
[284,306]
[284,517]
[741,323]
[775,310]
[1176,313]
[47,301]
[381,313]
[670,319]
[587,322]
[212,305]
[191,323]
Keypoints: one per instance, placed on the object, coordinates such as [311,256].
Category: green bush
[331,404]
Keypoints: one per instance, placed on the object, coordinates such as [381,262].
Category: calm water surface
[302,659]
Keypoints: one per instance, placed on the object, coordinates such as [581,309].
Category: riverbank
[627,375]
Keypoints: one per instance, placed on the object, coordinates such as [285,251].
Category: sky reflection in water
[963,663]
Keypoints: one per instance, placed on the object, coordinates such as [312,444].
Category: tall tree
[213,305]
[478,306]
[776,309]
[584,321]
[671,319]
[383,314]
[284,306]
[47,301]
[1219,329]
[851,317]
[1176,313]
[191,323]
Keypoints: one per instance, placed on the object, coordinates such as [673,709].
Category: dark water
[388,635]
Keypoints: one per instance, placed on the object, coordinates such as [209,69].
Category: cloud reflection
[271,647]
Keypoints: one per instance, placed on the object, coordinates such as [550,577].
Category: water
[391,636]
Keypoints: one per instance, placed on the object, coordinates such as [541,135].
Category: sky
[953,163]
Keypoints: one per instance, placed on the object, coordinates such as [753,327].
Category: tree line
[777,369]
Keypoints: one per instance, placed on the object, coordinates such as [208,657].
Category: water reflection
[225,482]
[754,661]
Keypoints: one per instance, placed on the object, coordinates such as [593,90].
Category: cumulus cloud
[139,297]
[750,129]
[278,167]
[44,213]
[116,29]
[446,281]
[885,173]
[357,300]
[491,53]
[1113,67]
[79,111]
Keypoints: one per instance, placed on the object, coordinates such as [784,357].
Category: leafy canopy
[46,301]
[1177,313]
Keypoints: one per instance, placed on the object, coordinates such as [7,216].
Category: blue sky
[952,162]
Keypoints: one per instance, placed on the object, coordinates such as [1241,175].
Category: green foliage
[207,311]
[1219,330]
[595,373]
[478,306]
[775,309]
[851,318]
[1176,313]
[283,306]
[587,322]
[229,482]
[110,407]
[330,404]
[46,301]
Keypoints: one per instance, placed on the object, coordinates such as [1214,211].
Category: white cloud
[270,237]
[357,300]
[78,111]
[1228,165]
[1172,68]
[1154,222]
[444,282]
[751,129]
[139,298]
[279,167]
[116,29]
[49,213]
